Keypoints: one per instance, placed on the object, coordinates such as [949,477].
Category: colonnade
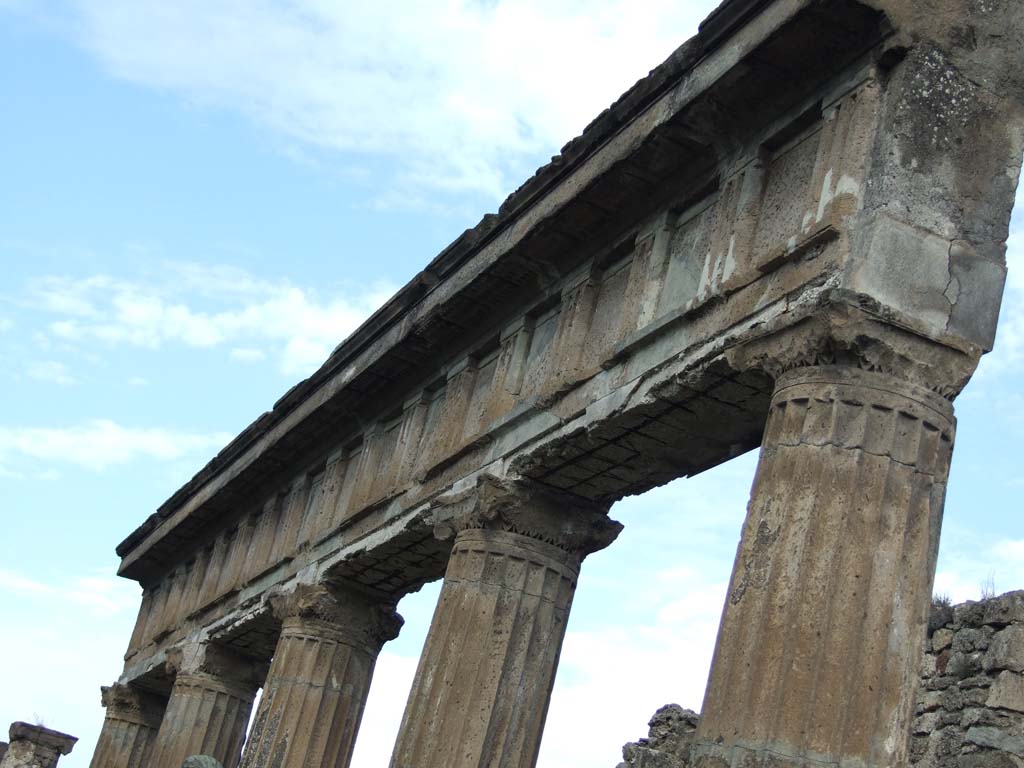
[816,656]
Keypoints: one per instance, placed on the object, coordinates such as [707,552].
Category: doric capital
[571,523]
[214,665]
[126,702]
[345,613]
[46,738]
[843,334]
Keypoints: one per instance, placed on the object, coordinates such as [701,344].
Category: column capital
[855,383]
[212,665]
[843,334]
[126,702]
[339,612]
[571,523]
[34,745]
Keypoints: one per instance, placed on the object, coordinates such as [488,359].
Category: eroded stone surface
[317,685]
[482,686]
[808,188]
[668,741]
[34,746]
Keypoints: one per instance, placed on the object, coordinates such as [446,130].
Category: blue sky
[199,200]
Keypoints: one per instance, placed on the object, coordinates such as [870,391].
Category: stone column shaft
[206,715]
[481,691]
[132,720]
[818,651]
[316,690]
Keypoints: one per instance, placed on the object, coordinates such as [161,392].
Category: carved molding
[573,524]
[339,613]
[853,336]
[126,702]
[212,665]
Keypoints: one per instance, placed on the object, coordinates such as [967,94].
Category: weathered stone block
[1005,609]
[1007,692]
[969,614]
[1006,650]
[33,746]
[942,639]
[994,738]
[971,639]
[984,716]
[963,665]
[987,760]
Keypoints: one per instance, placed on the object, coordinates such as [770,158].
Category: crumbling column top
[352,615]
[42,736]
[566,521]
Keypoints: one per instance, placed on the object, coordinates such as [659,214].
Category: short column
[130,726]
[484,679]
[316,689]
[33,746]
[819,647]
[208,710]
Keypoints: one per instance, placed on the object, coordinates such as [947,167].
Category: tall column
[132,720]
[33,746]
[484,680]
[317,685]
[208,709]
[818,651]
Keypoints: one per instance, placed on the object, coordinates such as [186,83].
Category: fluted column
[316,689]
[484,680]
[132,720]
[208,709]
[819,646]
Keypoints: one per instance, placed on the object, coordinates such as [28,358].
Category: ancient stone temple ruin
[789,235]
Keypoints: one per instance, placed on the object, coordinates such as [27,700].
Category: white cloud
[70,634]
[138,381]
[23,585]
[100,443]
[248,354]
[98,592]
[456,92]
[972,562]
[5,324]
[206,307]
[51,371]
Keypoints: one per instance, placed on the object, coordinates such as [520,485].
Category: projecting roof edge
[714,31]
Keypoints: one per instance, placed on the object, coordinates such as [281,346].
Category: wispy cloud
[973,560]
[98,592]
[99,444]
[51,371]
[457,93]
[248,355]
[23,585]
[202,306]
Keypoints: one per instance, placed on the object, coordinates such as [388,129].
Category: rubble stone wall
[970,706]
